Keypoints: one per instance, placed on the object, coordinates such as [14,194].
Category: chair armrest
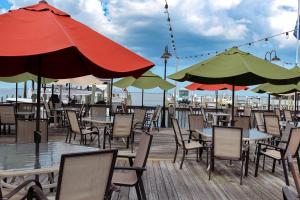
[36,192]
[138,169]
[125,156]
[270,145]
[20,187]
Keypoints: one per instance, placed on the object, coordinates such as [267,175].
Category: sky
[199,26]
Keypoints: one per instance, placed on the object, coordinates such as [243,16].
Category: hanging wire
[170,29]
[248,44]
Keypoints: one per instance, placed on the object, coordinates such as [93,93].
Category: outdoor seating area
[79,133]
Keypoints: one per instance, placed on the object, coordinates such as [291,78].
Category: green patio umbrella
[22,78]
[236,67]
[148,80]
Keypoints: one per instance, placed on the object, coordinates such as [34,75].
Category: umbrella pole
[69,92]
[142,97]
[111,93]
[16,94]
[269,101]
[52,89]
[232,108]
[295,109]
[216,101]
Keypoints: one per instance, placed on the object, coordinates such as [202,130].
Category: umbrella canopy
[236,67]
[45,41]
[276,89]
[83,80]
[41,39]
[147,81]
[24,77]
[214,87]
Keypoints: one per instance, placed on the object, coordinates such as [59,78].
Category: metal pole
[163,124]
[232,109]
[69,92]
[25,90]
[16,93]
[216,101]
[52,89]
[269,101]
[297,28]
[142,97]
[111,93]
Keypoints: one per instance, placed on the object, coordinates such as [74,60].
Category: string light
[171,31]
[249,44]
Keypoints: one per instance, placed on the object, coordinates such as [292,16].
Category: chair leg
[98,140]
[175,154]
[142,189]
[242,169]
[298,162]
[273,167]
[210,167]
[197,154]
[138,192]
[182,159]
[285,171]
[264,162]
[257,164]
[127,142]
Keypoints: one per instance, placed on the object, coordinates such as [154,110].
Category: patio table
[25,114]
[104,121]
[217,115]
[57,110]
[250,135]
[19,160]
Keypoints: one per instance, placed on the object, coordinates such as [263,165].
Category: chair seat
[272,153]
[193,145]
[138,131]
[86,131]
[17,196]
[124,178]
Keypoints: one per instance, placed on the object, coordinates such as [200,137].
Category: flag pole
[297,49]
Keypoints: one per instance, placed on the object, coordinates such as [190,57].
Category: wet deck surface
[164,180]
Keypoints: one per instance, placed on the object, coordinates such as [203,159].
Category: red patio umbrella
[45,41]
[214,87]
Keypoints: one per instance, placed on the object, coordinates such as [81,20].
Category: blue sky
[199,26]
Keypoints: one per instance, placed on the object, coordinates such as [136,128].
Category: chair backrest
[73,121]
[285,134]
[195,122]
[25,107]
[295,174]
[122,124]
[272,126]
[191,109]
[124,108]
[97,111]
[247,111]
[171,111]
[74,183]
[259,121]
[177,131]
[26,128]
[156,113]
[242,122]
[227,142]
[47,108]
[143,150]
[7,114]
[139,115]
[287,115]
[81,110]
[277,112]
[293,143]
[51,105]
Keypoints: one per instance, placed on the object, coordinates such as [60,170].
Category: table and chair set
[271,137]
[20,164]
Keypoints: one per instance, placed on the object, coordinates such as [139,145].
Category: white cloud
[283,18]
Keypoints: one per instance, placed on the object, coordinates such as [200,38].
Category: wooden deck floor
[164,180]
